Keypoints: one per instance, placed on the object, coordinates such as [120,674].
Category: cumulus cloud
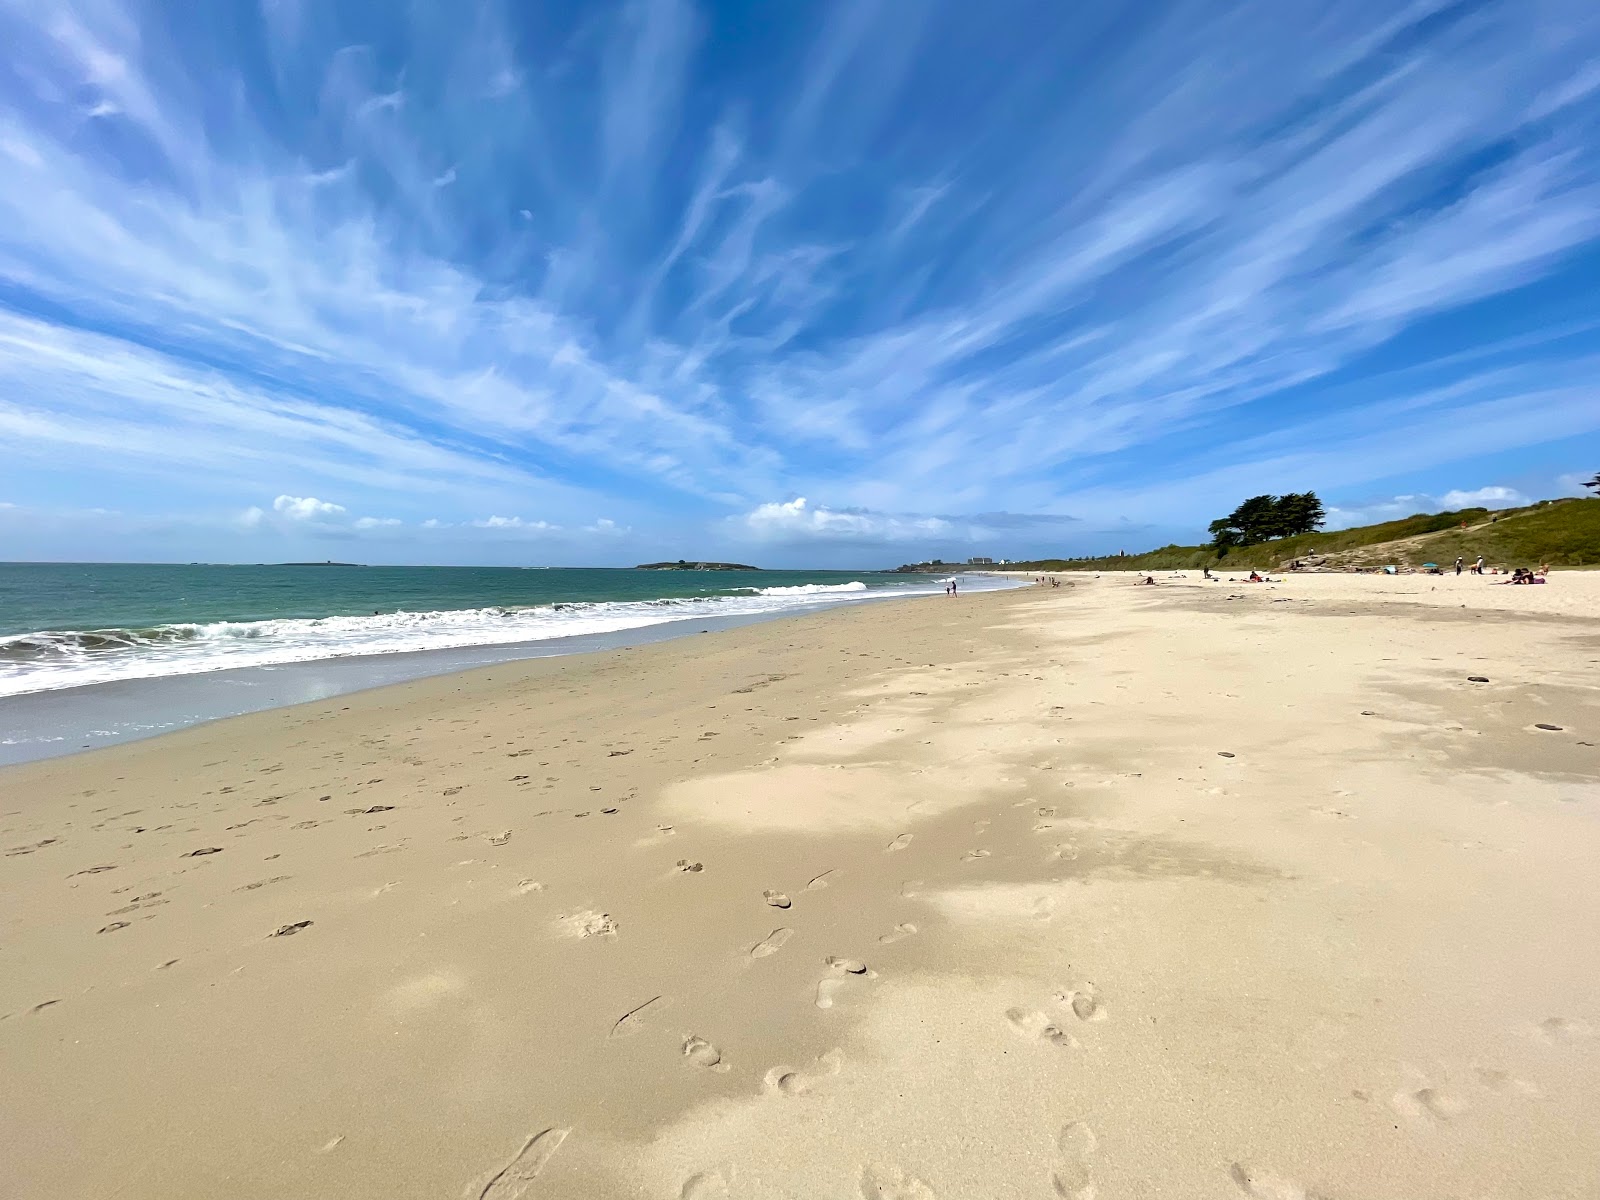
[306,508]
[799,520]
[1485,497]
[606,527]
[1395,507]
[377,522]
[252,517]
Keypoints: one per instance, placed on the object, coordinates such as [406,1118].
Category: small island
[685,565]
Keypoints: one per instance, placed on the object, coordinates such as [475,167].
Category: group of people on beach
[1525,575]
[1519,575]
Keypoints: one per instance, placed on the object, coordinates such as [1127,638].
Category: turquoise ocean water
[69,624]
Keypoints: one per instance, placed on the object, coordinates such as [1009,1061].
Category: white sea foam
[51,660]
[812,589]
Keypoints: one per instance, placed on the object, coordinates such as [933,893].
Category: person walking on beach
[1461,564]
[1478,569]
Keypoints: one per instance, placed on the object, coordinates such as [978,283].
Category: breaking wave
[48,660]
[812,589]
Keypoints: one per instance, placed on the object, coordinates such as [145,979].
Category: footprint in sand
[1429,1103]
[974,855]
[632,1021]
[776,899]
[1264,1185]
[1084,1001]
[900,843]
[880,1182]
[708,1185]
[703,1054]
[1035,1026]
[1073,1177]
[842,970]
[772,943]
[798,1083]
[1564,1029]
[586,924]
[513,1179]
[1497,1080]
[903,930]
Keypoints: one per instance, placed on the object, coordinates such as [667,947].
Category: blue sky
[798,284]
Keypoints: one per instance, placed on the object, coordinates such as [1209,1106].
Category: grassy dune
[1559,532]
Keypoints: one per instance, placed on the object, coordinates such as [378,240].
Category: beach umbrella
[1430,564]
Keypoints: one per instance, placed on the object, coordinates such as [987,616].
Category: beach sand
[1201,890]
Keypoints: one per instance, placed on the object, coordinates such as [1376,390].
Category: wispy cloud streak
[897,264]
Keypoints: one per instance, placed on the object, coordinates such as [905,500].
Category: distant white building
[980,562]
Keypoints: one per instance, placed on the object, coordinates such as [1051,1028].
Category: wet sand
[1195,890]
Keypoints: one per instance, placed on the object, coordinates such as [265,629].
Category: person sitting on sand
[1254,578]
[1148,581]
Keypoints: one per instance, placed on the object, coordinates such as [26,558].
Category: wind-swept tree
[1262,518]
[1300,512]
[1223,535]
[1594,485]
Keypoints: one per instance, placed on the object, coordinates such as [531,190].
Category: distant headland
[685,565]
[329,563]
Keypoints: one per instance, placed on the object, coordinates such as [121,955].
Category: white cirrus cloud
[377,522]
[516,523]
[801,521]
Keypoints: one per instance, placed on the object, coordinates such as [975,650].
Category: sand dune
[1202,890]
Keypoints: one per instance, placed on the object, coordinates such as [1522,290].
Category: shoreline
[1156,891]
[54,722]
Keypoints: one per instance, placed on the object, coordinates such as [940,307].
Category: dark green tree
[1256,519]
[1299,512]
[1594,485]
[1223,535]
[1262,518]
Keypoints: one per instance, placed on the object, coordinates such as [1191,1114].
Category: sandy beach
[1197,890]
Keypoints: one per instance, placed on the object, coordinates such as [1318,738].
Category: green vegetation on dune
[1558,532]
[1563,533]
